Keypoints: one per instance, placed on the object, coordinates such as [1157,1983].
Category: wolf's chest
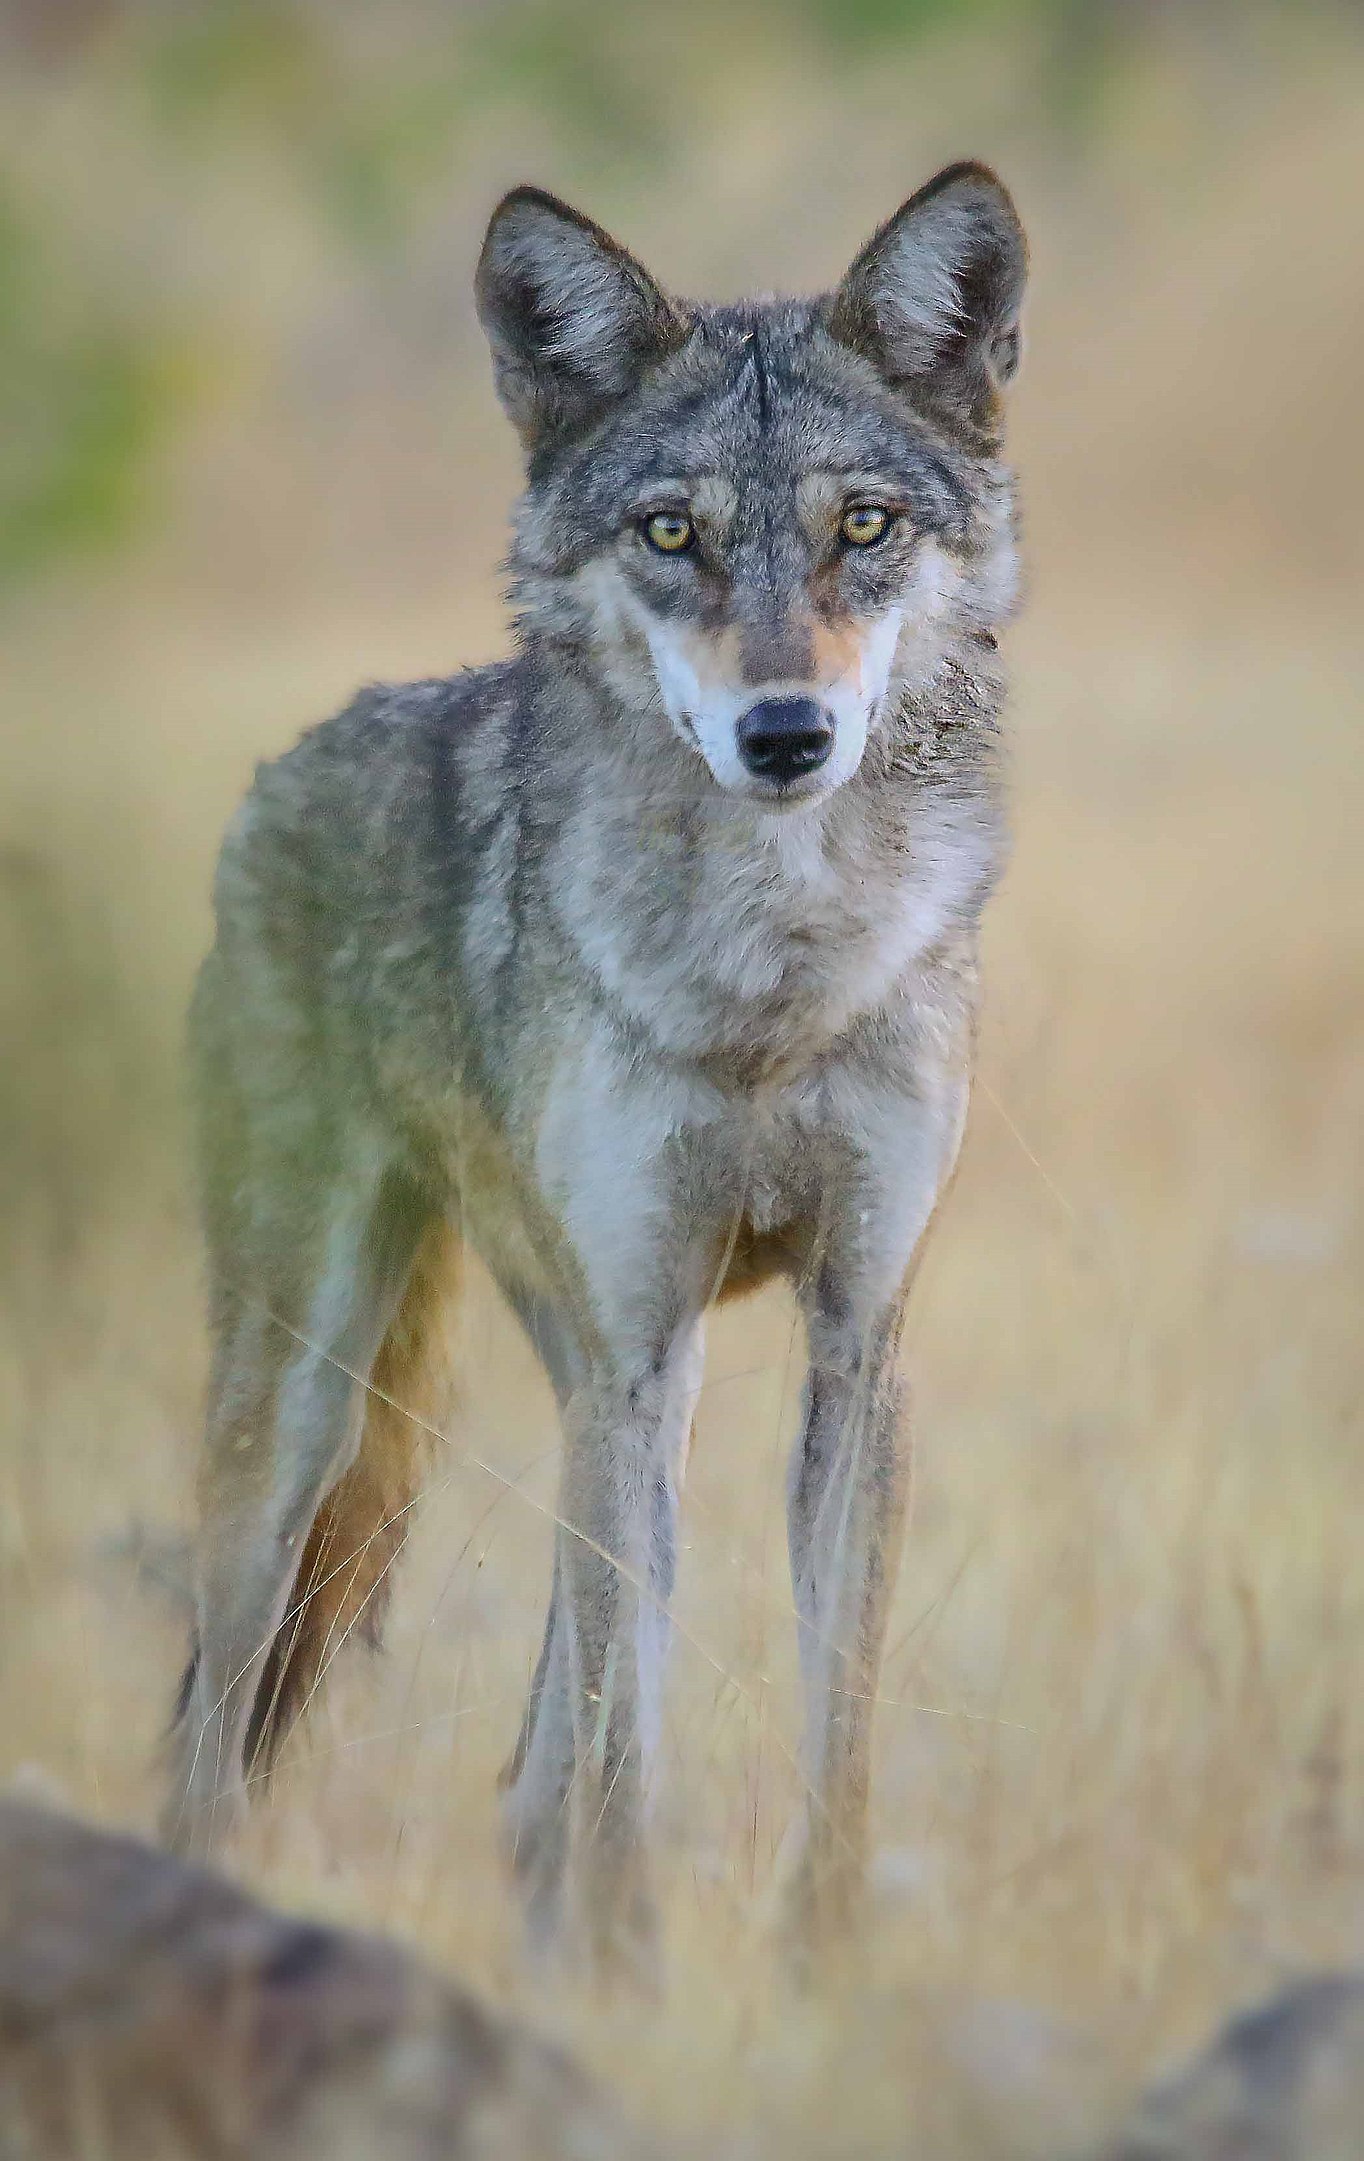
[751,951]
[773,962]
[763,956]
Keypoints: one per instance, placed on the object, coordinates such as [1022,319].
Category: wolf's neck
[714,921]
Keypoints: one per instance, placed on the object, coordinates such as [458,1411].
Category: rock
[149,2010]
[1281,2083]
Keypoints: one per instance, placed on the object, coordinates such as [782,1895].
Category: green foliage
[862,23]
[365,135]
[1080,44]
[216,66]
[360,140]
[361,124]
[86,398]
[581,62]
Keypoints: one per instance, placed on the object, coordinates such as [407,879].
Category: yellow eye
[864,524]
[670,531]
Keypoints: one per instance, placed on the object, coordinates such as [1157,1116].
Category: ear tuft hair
[933,300]
[573,320]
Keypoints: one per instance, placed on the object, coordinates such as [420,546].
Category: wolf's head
[764,520]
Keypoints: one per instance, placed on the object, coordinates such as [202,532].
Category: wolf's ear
[934,297]
[572,319]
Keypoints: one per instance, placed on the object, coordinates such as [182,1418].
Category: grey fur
[530,949]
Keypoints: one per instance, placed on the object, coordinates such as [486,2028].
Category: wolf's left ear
[573,320]
[934,297]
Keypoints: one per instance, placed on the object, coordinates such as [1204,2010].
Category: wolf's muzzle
[782,739]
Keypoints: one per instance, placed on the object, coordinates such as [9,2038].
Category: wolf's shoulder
[391,730]
[372,780]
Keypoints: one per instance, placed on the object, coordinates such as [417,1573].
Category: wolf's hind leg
[284,1425]
[345,1579]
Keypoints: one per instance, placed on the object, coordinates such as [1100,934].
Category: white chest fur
[778,930]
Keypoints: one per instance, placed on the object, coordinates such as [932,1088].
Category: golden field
[1121,1757]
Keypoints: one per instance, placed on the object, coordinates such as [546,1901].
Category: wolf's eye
[670,531]
[864,524]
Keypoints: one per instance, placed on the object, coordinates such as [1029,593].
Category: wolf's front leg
[579,1785]
[849,1481]
[848,1493]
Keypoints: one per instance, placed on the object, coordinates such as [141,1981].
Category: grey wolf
[150,2011]
[644,964]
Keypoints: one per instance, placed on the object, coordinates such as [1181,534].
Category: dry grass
[1120,1766]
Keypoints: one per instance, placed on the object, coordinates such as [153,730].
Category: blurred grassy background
[250,455]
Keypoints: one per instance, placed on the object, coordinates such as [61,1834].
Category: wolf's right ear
[573,320]
[933,300]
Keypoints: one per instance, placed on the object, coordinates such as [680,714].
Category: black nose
[783,738]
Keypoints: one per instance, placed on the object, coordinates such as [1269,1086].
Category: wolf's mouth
[787,794]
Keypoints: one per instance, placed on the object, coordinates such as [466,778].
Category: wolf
[643,964]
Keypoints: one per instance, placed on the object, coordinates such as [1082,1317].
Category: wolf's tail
[346,1574]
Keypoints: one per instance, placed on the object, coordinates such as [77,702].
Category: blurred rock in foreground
[1282,2083]
[150,2010]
